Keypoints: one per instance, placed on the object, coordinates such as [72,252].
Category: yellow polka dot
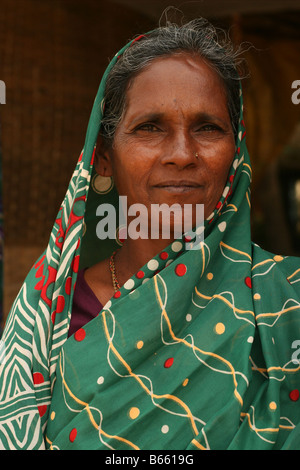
[52,416]
[278,258]
[272,406]
[256,297]
[134,412]
[140,344]
[220,328]
[185,382]
[210,276]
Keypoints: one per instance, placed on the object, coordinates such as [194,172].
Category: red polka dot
[60,304]
[169,362]
[163,255]
[68,285]
[80,334]
[231,178]
[53,315]
[117,294]
[180,269]
[140,274]
[248,282]
[294,395]
[42,410]
[38,378]
[219,205]
[73,435]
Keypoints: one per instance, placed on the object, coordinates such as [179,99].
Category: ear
[102,163]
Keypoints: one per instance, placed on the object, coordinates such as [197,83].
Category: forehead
[181,78]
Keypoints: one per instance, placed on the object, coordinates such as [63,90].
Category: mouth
[181,186]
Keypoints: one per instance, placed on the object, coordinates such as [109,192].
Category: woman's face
[175,108]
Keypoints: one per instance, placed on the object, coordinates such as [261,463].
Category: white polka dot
[222,226]
[200,229]
[250,339]
[165,429]
[225,192]
[108,304]
[145,280]
[152,264]
[188,317]
[100,380]
[176,246]
[235,163]
[129,284]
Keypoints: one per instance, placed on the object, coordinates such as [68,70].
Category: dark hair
[195,37]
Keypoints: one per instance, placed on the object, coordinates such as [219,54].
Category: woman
[157,343]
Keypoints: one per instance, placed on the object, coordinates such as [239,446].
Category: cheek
[130,176]
[220,166]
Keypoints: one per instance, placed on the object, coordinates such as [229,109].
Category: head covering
[197,352]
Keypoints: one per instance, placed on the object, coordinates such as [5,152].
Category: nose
[180,150]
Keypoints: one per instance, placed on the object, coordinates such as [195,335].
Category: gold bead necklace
[113,272]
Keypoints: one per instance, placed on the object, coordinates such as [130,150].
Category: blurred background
[52,56]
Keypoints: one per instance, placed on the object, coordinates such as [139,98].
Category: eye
[209,128]
[148,127]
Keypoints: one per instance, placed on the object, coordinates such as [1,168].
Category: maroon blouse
[86,305]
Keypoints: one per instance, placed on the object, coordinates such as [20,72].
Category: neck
[136,253]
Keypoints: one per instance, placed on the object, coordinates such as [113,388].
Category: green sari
[198,350]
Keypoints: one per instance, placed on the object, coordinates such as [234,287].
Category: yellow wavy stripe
[137,378]
[198,445]
[275,314]
[234,207]
[248,199]
[192,346]
[203,260]
[49,442]
[269,369]
[255,428]
[87,408]
[235,250]
[296,272]
[246,164]
[282,426]
[226,301]
[262,263]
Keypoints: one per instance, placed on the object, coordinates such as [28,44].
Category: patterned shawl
[198,350]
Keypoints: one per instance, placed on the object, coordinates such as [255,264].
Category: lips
[178,185]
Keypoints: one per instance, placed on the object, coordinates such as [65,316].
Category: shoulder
[287,267]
